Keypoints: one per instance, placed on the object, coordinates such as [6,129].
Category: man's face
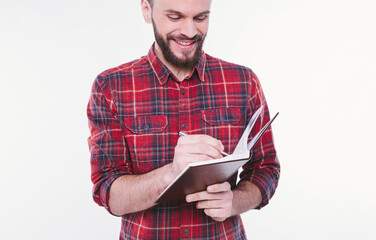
[180,27]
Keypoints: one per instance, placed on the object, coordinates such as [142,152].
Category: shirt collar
[163,73]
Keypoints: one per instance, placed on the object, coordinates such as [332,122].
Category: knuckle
[227,186]
[217,154]
[202,148]
[204,195]
[214,188]
[197,196]
[230,195]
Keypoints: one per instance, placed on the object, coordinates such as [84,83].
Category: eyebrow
[171,11]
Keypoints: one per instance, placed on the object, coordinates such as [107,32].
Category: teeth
[183,43]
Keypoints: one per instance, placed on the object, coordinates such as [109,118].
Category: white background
[316,61]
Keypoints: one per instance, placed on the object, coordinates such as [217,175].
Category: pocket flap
[221,116]
[146,124]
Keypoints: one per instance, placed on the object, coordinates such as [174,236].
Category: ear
[146,10]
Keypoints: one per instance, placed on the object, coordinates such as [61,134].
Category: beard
[186,62]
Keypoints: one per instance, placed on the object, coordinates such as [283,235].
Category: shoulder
[120,78]
[213,62]
[215,65]
[124,71]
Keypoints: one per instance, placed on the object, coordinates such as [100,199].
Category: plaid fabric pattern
[135,113]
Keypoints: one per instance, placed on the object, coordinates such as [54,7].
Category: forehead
[187,7]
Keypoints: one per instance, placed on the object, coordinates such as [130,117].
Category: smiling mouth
[184,43]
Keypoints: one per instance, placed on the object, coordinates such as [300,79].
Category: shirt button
[186,231]
[184,126]
[183,91]
[146,127]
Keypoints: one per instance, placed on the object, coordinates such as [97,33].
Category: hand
[194,148]
[216,201]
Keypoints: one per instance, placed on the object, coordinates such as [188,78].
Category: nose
[188,28]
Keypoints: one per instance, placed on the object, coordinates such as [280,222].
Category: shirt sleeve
[264,169]
[107,144]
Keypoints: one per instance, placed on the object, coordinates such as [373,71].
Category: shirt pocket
[146,140]
[224,124]
[146,124]
[221,116]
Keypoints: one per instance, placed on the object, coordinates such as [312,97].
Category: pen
[181,133]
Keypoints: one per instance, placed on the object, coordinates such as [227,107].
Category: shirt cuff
[266,186]
[104,193]
[264,193]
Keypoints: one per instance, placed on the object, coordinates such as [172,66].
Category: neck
[180,73]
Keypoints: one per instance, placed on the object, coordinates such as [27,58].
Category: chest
[152,115]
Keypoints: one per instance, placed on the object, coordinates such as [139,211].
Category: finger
[215,204]
[202,149]
[192,146]
[218,214]
[219,219]
[202,139]
[220,187]
[204,195]
[194,152]
[201,196]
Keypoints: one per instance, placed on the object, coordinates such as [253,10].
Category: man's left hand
[216,201]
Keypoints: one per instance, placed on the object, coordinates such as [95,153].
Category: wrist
[246,196]
[168,175]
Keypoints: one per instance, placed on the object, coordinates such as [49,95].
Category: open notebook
[198,175]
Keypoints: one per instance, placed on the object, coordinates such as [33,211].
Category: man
[136,111]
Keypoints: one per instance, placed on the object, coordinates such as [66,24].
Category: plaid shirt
[135,113]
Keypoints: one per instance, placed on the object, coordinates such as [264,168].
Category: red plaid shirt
[135,113]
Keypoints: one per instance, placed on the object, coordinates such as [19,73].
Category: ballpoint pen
[181,133]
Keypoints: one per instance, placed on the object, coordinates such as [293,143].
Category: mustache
[196,38]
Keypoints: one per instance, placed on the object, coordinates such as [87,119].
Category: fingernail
[189,198]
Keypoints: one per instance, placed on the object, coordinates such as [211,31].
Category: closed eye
[174,17]
[201,18]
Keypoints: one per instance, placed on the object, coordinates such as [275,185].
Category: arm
[246,196]
[116,187]
[133,193]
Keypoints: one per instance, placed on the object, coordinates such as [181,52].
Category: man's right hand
[194,148]
[127,193]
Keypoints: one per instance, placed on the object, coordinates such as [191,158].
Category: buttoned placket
[184,125]
[183,106]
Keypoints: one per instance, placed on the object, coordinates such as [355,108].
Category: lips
[184,43]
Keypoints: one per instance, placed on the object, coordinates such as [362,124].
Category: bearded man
[136,111]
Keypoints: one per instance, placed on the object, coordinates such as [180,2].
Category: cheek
[167,27]
[203,28]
